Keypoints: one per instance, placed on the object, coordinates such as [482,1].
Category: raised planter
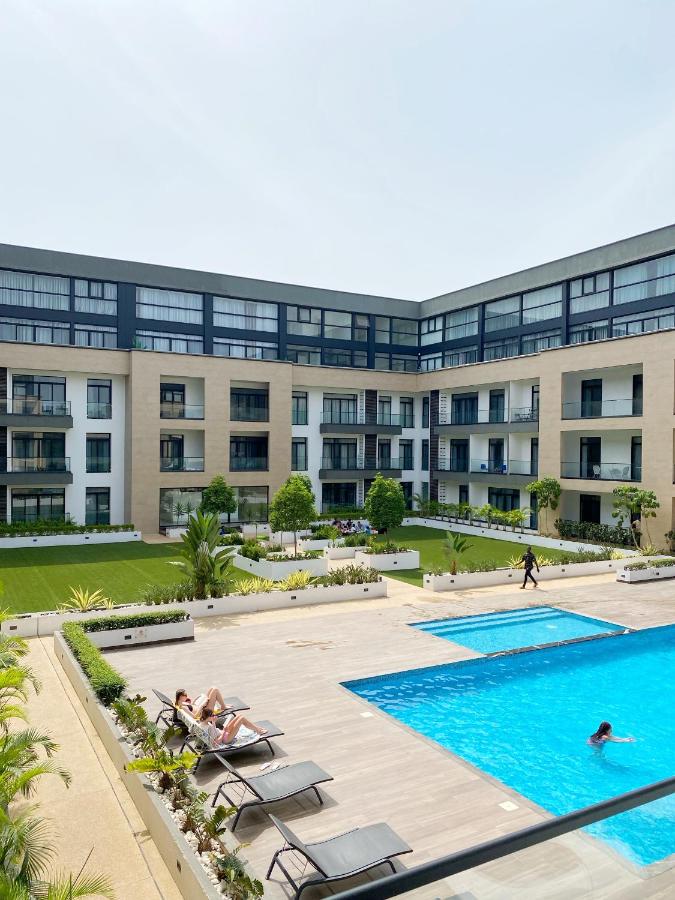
[149,634]
[278,570]
[386,562]
[314,543]
[69,540]
[340,552]
[652,573]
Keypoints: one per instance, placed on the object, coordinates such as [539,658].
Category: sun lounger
[270,787]
[198,742]
[341,856]
[168,714]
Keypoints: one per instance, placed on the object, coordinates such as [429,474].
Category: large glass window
[248,453]
[425,412]
[97,506]
[31,331]
[299,408]
[299,455]
[431,330]
[305,356]
[337,325]
[339,453]
[461,323]
[382,330]
[169,306]
[252,503]
[37,291]
[96,297]
[404,332]
[502,314]
[461,357]
[361,326]
[99,398]
[244,349]
[98,453]
[176,505]
[590,331]
[545,340]
[504,499]
[425,455]
[95,336]
[249,315]
[639,323]
[405,449]
[249,404]
[407,412]
[500,349]
[403,363]
[38,503]
[338,495]
[431,362]
[648,279]
[166,341]
[339,409]
[543,304]
[357,359]
[591,292]
[303,320]
[39,394]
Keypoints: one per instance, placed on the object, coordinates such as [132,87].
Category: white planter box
[254,531]
[123,637]
[287,537]
[386,562]
[313,543]
[69,540]
[24,626]
[340,552]
[653,573]
[277,571]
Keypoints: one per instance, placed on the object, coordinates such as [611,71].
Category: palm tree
[457,544]
[205,563]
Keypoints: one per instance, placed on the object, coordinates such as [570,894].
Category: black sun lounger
[167,713]
[195,742]
[341,856]
[270,787]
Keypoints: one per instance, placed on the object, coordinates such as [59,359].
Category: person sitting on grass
[220,737]
[212,698]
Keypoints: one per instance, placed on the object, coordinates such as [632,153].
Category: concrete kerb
[179,857]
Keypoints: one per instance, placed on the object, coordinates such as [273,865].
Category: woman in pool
[604,734]
[212,698]
[226,734]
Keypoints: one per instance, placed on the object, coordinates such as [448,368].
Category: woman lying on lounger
[212,698]
[226,734]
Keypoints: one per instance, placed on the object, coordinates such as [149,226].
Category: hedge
[108,623]
[595,532]
[106,682]
[51,526]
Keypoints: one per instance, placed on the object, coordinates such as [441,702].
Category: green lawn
[430,543]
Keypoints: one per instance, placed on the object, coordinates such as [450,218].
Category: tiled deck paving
[288,665]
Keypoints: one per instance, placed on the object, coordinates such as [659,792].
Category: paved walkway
[96,813]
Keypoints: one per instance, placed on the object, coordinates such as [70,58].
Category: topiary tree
[292,507]
[218,498]
[385,503]
[547,491]
[629,501]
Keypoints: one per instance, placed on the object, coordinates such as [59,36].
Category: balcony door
[636,458]
[171,451]
[637,395]
[172,400]
[339,409]
[496,455]
[46,450]
[497,406]
[534,456]
[384,454]
[589,457]
[459,456]
[464,409]
[591,397]
[589,508]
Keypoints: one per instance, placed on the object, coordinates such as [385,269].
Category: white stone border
[277,570]
[145,634]
[387,562]
[652,573]
[340,552]
[69,540]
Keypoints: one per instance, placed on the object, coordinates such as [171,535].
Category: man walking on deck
[529,561]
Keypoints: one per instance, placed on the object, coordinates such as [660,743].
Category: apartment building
[125,387]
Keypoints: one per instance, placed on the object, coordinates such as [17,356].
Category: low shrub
[252,550]
[137,620]
[232,539]
[106,682]
[300,555]
[254,586]
[56,526]
[324,533]
[83,600]
[358,540]
[297,581]
[181,591]
[386,547]
[479,565]
[665,563]
[594,532]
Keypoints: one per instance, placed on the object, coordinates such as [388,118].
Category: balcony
[484,421]
[600,409]
[32,411]
[604,471]
[181,464]
[181,411]
[358,467]
[35,470]
[249,464]
[524,414]
[477,470]
[243,413]
[99,410]
[353,423]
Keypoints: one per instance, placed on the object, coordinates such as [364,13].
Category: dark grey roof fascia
[618,253]
[56,262]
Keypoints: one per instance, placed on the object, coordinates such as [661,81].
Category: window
[98,453]
[403,363]
[95,336]
[97,506]
[248,453]
[461,323]
[339,409]
[639,323]
[252,503]
[591,292]
[244,349]
[382,330]
[425,455]
[36,291]
[249,404]
[95,297]
[648,279]
[464,409]
[338,495]
[347,358]
[361,326]
[462,357]
[337,325]
[38,503]
[305,356]
[502,314]
[166,341]
[545,340]
[339,453]
[31,331]
[407,412]
[299,408]
[299,455]
[405,449]
[543,304]
[425,412]
[303,320]
[384,411]
[170,306]
[431,362]
[177,504]
[425,490]
[404,332]
[407,488]
[99,398]
[590,331]
[431,330]
[504,499]
[249,315]
[39,451]
[40,395]
[500,349]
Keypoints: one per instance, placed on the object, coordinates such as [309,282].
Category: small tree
[307,481]
[547,491]
[218,498]
[292,507]
[629,501]
[385,503]
[456,544]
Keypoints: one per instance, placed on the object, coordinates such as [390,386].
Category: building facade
[125,387]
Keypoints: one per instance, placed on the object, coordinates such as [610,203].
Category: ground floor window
[338,494]
[407,487]
[504,499]
[177,504]
[97,507]
[299,455]
[39,503]
[252,503]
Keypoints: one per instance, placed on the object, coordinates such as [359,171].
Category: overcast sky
[390,147]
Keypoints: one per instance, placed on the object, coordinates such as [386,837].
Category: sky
[404,149]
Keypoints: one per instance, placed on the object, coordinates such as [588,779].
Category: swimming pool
[494,632]
[524,718]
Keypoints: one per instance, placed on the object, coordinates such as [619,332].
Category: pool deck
[288,665]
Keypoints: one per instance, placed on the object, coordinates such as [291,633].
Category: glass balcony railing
[35,464]
[98,464]
[503,467]
[525,414]
[448,465]
[242,413]
[99,410]
[181,464]
[386,464]
[248,464]
[597,409]
[181,411]
[478,417]
[34,406]
[603,471]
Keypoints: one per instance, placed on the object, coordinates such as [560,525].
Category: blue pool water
[492,632]
[525,718]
